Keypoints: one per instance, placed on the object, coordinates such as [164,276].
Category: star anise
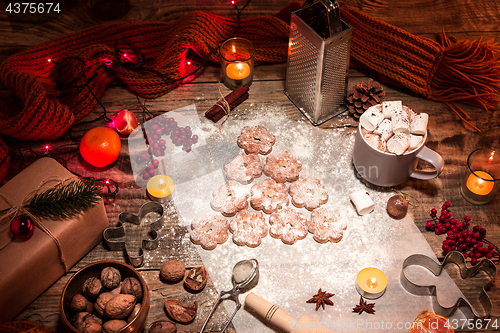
[321,298]
[363,306]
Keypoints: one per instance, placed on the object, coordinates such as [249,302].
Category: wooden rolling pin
[274,315]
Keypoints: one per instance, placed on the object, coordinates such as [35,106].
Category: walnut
[110,277]
[120,306]
[172,271]
[100,303]
[113,326]
[132,286]
[180,312]
[196,279]
[92,288]
[86,322]
[163,326]
[79,303]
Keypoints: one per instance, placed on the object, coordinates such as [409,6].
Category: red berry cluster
[471,243]
[156,127]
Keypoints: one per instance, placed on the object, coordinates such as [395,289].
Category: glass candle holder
[482,178]
[237,60]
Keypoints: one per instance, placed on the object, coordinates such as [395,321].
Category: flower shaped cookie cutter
[467,293]
[115,236]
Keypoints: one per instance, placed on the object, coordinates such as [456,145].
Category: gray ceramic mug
[386,169]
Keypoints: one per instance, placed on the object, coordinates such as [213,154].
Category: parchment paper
[292,274]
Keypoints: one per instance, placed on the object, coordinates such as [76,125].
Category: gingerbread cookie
[282,167]
[308,192]
[209,230]
[326,225]
[256,140]
[268,196]
[244,168]
[248,228]
[229,198]
[288,224]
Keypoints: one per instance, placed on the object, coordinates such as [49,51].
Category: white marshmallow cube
[376,141]
[415,141]
[398,143]
[384,129]
[389,108]
[400,122]
[362,201]
[371,118]
[419,123]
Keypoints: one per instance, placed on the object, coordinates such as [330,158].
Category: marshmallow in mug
[419,123]
[384,129]
[372,117]
[376,141]
[398,143]
[362,201]
[409,126]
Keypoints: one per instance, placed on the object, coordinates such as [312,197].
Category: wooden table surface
[447,135]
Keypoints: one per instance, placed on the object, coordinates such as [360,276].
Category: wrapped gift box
[29,267]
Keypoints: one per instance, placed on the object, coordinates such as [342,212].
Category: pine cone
[363,95]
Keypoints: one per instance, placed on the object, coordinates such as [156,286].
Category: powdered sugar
[291,274]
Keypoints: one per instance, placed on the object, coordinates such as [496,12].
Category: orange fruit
[430,322]
[100,146]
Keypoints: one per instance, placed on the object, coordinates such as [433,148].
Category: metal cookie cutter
[467,293]
[114,236]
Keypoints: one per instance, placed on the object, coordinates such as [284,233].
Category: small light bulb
[107,182]
[233,2]
[49,60]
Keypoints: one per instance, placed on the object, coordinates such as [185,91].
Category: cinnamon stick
[236,97]
[216,117]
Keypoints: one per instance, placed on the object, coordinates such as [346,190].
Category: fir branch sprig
[66,200]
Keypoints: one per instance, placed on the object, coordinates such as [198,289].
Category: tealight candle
[371,283]
[238,71]
[482,179]
[237,61]
[478,182]
[160,187]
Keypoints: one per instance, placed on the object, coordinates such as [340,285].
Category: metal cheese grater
[318,60]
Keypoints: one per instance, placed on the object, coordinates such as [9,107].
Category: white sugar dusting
[292,274]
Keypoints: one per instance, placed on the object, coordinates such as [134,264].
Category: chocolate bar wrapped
[28,267]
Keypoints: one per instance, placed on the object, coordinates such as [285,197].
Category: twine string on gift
[21,209]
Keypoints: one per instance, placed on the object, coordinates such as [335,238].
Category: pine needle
[66,200]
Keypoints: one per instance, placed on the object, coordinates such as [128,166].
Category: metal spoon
[245,273]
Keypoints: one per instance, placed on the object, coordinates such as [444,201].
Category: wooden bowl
[75,283]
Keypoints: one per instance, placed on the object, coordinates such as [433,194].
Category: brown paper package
[29,267]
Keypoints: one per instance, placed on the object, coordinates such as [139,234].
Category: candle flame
[372,283]
[234,49]
[161,183]
[492,155]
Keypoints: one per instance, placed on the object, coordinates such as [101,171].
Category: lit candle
[160,187]
[371,283]
[476,183]
[237,71]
